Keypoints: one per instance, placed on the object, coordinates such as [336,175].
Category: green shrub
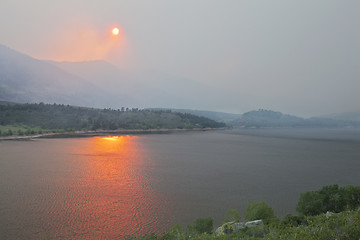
[9,132]
[329,198]
[310,203]
[232,216]
[259,210]
[201,225]
[352,196]
[294,221]
[20,132]
[333,198]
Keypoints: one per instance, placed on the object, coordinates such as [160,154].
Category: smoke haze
[298,57]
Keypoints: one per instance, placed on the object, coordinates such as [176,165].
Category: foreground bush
[344,225]
[232,216]
[330,198]
[259,210]
[201,225]
[341,226]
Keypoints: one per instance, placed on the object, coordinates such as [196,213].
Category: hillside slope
[26,79]
[59,116]
[268,118]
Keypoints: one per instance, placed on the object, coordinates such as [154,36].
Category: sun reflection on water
[113,138]
[114,191]
[116,158]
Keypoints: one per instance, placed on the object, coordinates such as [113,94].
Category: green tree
[259,210]
[9,132]
[20,132]
[352,196]
[329,198]
[333,198]
[310,203]
[176,232]
[232,216]
[201,225]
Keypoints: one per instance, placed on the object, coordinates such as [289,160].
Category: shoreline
[105,133]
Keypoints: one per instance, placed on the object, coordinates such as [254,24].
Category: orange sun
[115,31]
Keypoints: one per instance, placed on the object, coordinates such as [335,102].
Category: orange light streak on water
[116,197]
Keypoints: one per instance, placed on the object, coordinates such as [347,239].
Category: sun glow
[115,31]
[85,42]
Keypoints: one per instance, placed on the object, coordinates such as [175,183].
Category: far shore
[104,133]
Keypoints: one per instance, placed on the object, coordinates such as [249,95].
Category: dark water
[110,187]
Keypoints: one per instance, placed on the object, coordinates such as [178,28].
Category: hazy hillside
[99,84]
[104,76]
[94,83]
[216,116]
[147,88]
[25,79]
[59,116]
[268,118]
[348,116]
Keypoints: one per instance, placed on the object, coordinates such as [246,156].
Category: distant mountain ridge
[98,84]
[268,118]
[347,116]
[26,79]
[102,75]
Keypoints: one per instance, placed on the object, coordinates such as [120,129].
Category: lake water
[110,187]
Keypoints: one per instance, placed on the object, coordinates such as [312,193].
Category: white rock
[253,223]
[231,227]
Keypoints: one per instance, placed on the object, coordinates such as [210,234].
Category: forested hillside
[216,116]
[59,116]
[267,118]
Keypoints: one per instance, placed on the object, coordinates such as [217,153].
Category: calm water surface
[110,187]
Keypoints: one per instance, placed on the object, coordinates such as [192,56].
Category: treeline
[330,198]
[59,116]
[330,213]
[22,130]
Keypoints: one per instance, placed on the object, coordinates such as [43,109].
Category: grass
[341,226]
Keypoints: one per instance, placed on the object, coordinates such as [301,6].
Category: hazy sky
[300,57]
